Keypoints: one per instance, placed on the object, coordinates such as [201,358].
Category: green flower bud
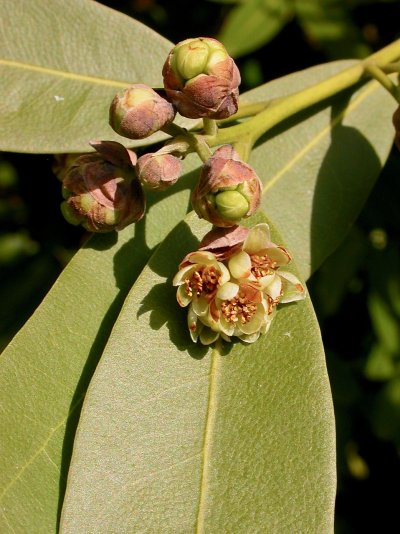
[101,190]
[228,189]
[139,111]
[157,172]
[201,79]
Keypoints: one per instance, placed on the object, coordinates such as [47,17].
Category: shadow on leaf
[345,179]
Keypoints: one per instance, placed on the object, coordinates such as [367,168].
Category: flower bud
[157,172]
[101,189]
[228,189]
[396,124]
[139,111]
[201,79]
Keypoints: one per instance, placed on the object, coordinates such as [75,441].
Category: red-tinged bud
[396,124]
[101,189]
[62,164]
[228,189]
[139,111]
[157,172]
[201,79]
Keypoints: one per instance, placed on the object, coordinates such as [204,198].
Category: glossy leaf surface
[60,68]
[188,439]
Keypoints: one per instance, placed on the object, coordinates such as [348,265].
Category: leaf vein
[62,74]
[41,449]
[208,429]
[316,139]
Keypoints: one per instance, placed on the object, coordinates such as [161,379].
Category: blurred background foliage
[356,293]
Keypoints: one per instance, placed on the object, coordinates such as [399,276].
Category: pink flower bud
[101,189]
[139,111]
[157,172]
[201,79]
[228,189]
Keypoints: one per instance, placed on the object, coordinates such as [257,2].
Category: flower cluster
[234,283]
[200,81]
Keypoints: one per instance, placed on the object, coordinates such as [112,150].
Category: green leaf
[253,24]
[319,166]
[330,26]
[60,68]
[45,370]
[178,437]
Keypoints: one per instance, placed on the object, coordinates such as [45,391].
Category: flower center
[238,309]
[262,265]
[203,281]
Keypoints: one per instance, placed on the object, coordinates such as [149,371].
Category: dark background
[356,293]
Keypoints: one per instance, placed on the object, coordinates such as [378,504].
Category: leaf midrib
[63,74]
[371,87]
[207,440]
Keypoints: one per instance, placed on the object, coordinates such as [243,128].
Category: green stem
[380,76]
[200,145]
[174,130]
[243,148]
[259,124]
[210,127]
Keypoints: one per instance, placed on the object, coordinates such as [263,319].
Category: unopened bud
[101,189]
[157,172]
[201,79]
[228,189]
[139,111]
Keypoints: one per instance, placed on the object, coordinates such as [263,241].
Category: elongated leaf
[319,167]
[60,67]
[178,438]
[254,23]
[45,371]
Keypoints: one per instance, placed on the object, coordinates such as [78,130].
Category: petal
[255,323]
[278,254]
[208,336]
[273,289]
[240,265]
[258,239]
[200,305]
[293,289]
[249,338]
[225,274]
[203,257]
[182,297]
[182,274]
[227,328]
[264,281]
[225,337]
[228,291]
[195,327]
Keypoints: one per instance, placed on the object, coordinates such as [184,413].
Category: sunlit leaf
[60,67]
[319,166]
[187,439]
[45,370]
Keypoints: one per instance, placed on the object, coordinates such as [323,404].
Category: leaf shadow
[345,179]
[161,299]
